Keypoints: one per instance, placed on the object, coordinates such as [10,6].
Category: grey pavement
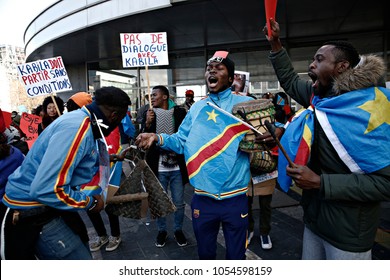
[138,236]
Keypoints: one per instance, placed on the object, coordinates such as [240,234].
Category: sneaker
[97,243]
[180,238]
[161,238]
[266,243]
[113,243]
[250,236]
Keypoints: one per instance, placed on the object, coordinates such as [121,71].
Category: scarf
[165,124]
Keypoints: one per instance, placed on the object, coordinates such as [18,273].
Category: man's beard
[322,90]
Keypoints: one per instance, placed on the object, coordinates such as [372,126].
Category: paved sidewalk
[138,236]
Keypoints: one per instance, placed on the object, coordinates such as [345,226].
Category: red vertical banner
[270,11]
[2,122]
[7,118]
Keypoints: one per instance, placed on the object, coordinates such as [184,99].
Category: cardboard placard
[44,77]
[144,49]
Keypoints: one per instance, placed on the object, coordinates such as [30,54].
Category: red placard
[29,125]
[270,11]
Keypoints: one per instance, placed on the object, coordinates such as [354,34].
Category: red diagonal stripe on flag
[303,153]
[214,148]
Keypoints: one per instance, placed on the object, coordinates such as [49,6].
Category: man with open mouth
[344,173]
[218,171]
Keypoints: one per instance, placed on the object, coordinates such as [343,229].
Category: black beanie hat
[222,57]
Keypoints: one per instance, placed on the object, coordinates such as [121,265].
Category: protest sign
[144,49]
[29,125]
[44,77]
[240,84]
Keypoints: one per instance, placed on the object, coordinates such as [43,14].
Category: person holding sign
[217,169]
[342,158]
[49,109]
[63,158]
[169,167]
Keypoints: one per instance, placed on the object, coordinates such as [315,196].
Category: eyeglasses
[215,59]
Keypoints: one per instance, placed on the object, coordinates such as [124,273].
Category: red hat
[189,92]
[222,57]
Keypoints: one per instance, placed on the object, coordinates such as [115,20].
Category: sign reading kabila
[144,49]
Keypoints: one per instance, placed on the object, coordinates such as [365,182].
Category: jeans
[44,236]
[58,242]
[174,181]
[316,248]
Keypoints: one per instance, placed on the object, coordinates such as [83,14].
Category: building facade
[87,36]
[13,96]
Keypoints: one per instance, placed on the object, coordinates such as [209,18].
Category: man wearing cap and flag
[217,169]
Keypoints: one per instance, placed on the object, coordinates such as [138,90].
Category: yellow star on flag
[379,109]
[212,116]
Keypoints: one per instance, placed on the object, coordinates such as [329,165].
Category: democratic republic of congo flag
[212,147]
[357,124]
[297,141]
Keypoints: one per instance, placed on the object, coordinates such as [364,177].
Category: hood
[370,71]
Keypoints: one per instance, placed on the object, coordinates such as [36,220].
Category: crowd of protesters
[66,169]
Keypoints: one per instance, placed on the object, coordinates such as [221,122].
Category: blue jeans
[174,181]
[58,242]
[316,248]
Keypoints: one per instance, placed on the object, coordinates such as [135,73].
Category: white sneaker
[266,243]
[97,243]
[250,236]
[113,243]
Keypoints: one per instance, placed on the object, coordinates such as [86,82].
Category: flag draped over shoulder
[357,124]
[297,141]
[212,147]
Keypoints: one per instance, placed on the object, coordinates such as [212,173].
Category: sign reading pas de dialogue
[144,49]
[44,77]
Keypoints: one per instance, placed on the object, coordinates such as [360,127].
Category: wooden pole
[117,199]
[148,82]
[55,104]
[271,130]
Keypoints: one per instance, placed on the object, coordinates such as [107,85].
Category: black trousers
[98,224]
[265,214]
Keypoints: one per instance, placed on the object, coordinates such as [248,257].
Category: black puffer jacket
[345,210]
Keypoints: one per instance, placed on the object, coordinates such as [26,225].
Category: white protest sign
[43,77]
[144,49]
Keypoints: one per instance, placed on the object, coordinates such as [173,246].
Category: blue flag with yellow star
[212,147]
[357,124]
